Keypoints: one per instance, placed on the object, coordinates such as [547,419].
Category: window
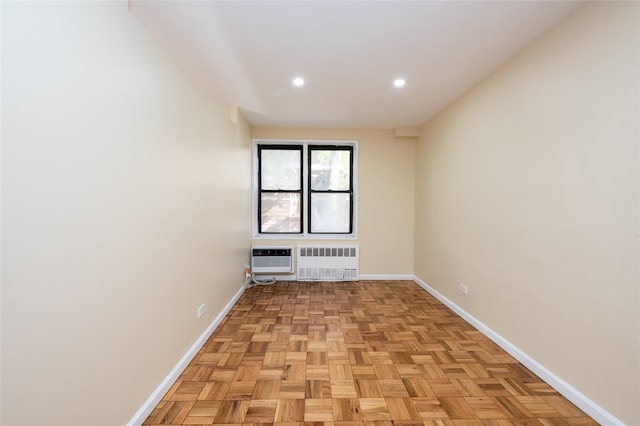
[330,189]
[280,188]
[305,189]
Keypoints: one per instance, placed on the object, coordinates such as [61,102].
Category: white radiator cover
[328,262]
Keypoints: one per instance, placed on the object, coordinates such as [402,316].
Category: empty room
[316,212]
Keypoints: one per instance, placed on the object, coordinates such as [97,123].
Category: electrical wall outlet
[463,288]
[201,311]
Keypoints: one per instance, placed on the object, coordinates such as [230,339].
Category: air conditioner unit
[271,259]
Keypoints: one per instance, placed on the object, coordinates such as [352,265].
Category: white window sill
[349,237]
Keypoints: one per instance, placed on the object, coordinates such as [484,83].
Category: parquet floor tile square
[365,353]
[318,410]
[289,410]
[261,411]
[292,389]
[214,391]
[346,409]
[343,389]
[375,409]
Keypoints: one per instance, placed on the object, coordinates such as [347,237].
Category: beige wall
[527,192]
[125,205]
[385,194]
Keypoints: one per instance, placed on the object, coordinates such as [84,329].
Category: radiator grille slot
[328,251]
[328,263]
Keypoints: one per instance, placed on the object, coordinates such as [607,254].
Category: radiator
[328,263]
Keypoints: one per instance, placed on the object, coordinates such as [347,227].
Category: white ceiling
[349,53]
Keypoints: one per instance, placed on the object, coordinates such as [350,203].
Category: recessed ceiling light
[298,82]
[399,82]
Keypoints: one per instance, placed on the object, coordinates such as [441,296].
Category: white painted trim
[381,277]
[141,415]
[369,277]
[279,278]
[598,413]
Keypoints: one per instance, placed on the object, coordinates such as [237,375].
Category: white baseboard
[379,277]
[151,402]
[598,413]
[368,277]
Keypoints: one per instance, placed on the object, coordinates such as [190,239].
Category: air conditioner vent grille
[271,259]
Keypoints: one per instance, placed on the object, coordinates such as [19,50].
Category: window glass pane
[330,170]
[280,212]
[280,169]
[330,212]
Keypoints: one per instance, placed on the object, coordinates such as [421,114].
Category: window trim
[305,234]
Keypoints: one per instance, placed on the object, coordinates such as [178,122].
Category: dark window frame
[310,191]
[261,191]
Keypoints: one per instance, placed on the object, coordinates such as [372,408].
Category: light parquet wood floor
[350,354]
